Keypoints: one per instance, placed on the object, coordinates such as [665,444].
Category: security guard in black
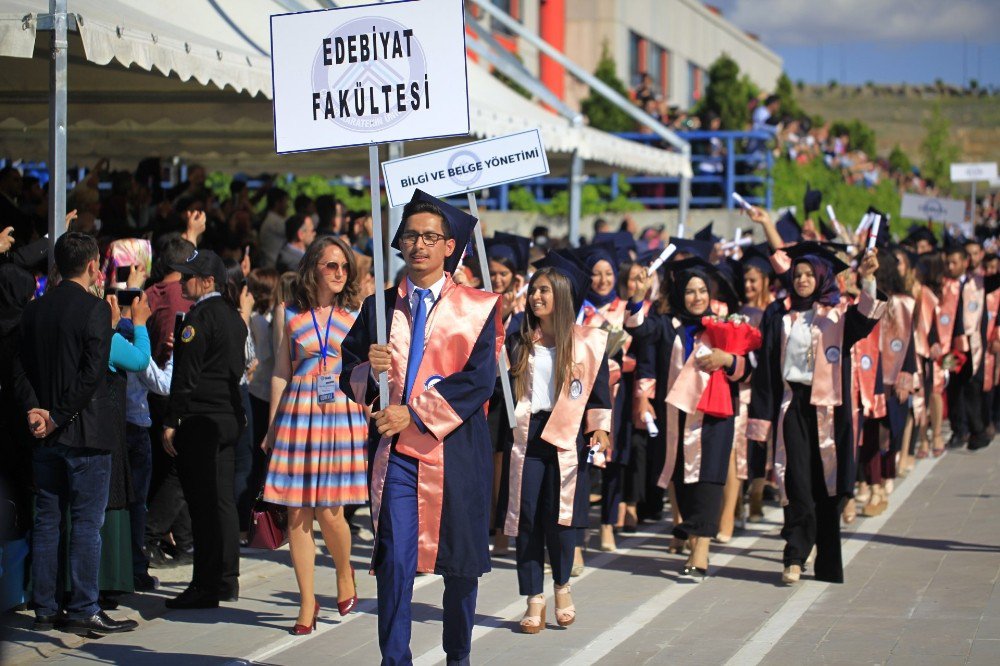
[204,420]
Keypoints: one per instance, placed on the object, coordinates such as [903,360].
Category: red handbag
[268,525]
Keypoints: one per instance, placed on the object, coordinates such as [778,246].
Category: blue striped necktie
[417,342]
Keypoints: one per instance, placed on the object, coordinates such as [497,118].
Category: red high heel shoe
[347,605]
[305,629]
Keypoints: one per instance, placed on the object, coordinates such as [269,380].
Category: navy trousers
[538,523]
[395,569]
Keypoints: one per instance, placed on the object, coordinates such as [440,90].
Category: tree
[727,94]
[784,90]
[601,113]
[936,150]
[898,161]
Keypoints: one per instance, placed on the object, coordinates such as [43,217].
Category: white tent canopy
[119,110]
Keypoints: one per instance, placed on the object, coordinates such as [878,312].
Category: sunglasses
[334,267]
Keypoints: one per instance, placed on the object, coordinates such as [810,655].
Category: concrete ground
[921,588]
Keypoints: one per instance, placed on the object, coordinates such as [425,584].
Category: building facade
[675,41]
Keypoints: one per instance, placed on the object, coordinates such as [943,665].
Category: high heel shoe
[531,623]
[566,615]
[306,629]
[697,574]
[347,605]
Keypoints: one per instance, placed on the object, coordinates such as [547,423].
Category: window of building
[637,59]
[696,83]
[513,9]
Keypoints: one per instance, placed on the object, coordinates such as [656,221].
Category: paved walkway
[921,588]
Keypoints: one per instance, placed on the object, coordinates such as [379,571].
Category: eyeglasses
[334,267]
[429,237]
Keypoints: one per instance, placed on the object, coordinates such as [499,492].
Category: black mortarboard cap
[919,232]
[789,228]
[759,257]
[623,242]
[821,250]
[725,290]
[596,251]
[512,247]
[829,233]
[569,266]
[461,223]
[705,234]
[811,201]
[695,248]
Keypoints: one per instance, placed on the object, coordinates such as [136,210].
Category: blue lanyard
[324,341]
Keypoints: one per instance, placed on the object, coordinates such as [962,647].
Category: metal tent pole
[575,191]
[58,67]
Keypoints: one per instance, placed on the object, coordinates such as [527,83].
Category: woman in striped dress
[317,436]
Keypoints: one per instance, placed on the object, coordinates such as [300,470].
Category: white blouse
[543,381]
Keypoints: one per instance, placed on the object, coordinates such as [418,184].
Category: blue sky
[886,41]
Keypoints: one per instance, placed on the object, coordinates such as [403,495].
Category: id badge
[326,388]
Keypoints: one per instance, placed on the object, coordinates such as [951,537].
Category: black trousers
[812,517]
[965,403]
[634,486]
[538,524]
[206,467]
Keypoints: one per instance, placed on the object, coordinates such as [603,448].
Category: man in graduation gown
[430,466]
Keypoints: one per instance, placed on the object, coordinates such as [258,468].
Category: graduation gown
[661,368]
[455,380]
[583,406]
[835,330]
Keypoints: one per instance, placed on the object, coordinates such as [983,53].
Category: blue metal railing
[711,188]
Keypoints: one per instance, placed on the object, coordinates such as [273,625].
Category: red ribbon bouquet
[734,335]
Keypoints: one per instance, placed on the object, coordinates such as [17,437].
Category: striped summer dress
[319,449]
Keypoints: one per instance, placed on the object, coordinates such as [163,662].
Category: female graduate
[604,309]
[801,386]
[673,361]
[507,260]
[746,462]
[563,410]
[882,438]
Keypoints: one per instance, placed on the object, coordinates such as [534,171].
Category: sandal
[850,511]
[566,615]
[938,449]
[676,546]
[532,624]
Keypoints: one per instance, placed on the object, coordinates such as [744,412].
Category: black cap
[205,263]
[789,228]
[724,289]
[623,242]
[759,257]
[569,266]
[513,248]
[695,248]
[591,254]
[811,201]
[821,250]
[829,233]
[918,232]
[461,223]
[705,234]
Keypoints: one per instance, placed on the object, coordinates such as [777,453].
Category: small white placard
[468,167]
[971,172]
[923,208]
[369,74]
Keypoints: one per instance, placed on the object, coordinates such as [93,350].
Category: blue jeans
[140,460]
[78,479]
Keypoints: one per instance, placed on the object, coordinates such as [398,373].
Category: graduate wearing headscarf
[673,365]
[801,399]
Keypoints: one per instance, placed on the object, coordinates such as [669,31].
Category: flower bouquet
[734,335]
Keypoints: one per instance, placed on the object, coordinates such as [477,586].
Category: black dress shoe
[49,622]
[227,594]
[99,623]
[157,558]
[145,583]
[194,598]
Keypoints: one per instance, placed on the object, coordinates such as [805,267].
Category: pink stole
[569,415]
[464,311]
[895,342]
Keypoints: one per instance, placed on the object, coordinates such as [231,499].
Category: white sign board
[931,208]
[470,166]
[369,74]
[972,172]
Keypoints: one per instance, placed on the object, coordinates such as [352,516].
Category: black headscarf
[676,295]
[826,292]
[17,286]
